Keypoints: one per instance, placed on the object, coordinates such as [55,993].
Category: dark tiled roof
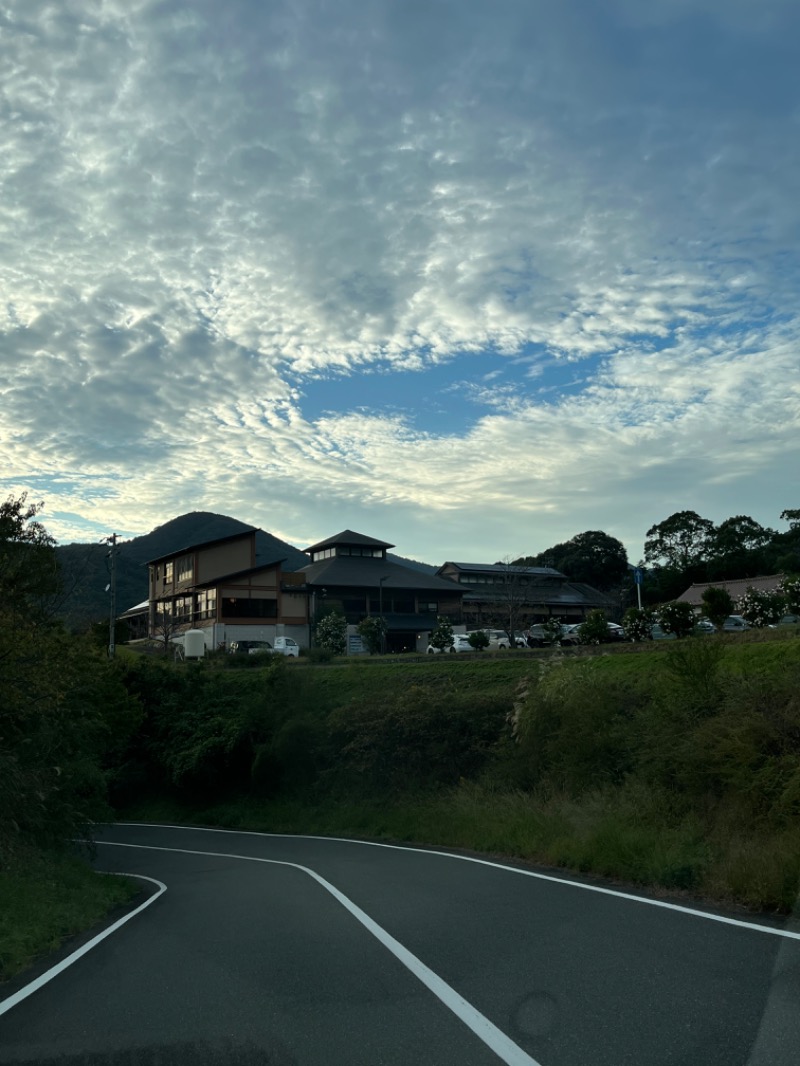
[501,568]
[270,550]
[735,588]
[366,573]
[347,536]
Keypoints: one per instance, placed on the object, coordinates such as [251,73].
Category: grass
[45,898]
[713,845]
[614,834]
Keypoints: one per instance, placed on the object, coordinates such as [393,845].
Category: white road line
[494,1038]
[48,975]
[736,922]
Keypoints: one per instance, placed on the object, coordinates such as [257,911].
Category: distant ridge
[85,566]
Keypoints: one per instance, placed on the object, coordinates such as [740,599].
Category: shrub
[637,623]
[442,635]
[717,605]
[759,608]
[595,629]
[372,631]
[331,633]
[676,617]
[789,588]
[478,640]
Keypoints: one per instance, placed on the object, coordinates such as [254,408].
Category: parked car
[286,646]
[704,625]
[734,623]
[571,634]
[247,647]
[539,637]
[657,633]
[460,643]
[498,638]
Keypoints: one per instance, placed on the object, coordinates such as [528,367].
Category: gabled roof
[357,572]
[347,536]
[735,588]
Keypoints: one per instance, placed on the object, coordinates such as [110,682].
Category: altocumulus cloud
[208,209]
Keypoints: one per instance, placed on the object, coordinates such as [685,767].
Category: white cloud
[201,208]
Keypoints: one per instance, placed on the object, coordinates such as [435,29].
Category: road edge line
[54,971]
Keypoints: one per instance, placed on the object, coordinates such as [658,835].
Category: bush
[331,633]
[442,635]
[676,617]
[478,640]
[759,608]
[637,623]
[595,629]
[717,605]
[372,631]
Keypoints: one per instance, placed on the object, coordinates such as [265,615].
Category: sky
[469,277]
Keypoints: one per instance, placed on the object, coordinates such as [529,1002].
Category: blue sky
[471,278]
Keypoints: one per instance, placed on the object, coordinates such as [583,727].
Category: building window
[168,572]
[430,607]
[207,604]
[185,568]
[238,607]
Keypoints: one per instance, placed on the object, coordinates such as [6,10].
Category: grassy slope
[616,832]
[46,898]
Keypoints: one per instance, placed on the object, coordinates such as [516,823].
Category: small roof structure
[350,538]
[735,588]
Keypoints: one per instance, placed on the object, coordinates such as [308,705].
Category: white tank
[194,644]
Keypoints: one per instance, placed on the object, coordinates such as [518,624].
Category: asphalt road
[283,950]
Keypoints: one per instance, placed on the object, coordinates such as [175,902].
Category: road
[295,950]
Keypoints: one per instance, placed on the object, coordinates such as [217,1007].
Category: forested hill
[86,574]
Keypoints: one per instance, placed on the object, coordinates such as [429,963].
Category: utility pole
[112,611]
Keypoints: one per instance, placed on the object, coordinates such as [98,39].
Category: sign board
[355,645]
[638,575]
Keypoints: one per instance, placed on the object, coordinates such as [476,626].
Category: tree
[717,605]
[676,617]
[793,518]
[592,557]
[166,626]
[637,623]
[331,633]
[759,608]
[478,640]
[737,548]
[372,631]
[595,629]
[509,598]
[680,541]
[442,635]
[789,588]
[63,707]
[29,576]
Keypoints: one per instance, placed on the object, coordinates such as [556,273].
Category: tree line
[682,550]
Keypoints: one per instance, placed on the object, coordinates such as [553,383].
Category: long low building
[251,586]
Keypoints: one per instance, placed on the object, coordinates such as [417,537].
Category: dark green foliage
[442,635]
[676,617]
[717,605]
[65,712]
[478,640]
[637,623]
[592,557]
[330,633]
[372,631]
[595,629]
[415,737]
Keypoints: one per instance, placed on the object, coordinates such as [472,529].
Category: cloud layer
[206,209]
